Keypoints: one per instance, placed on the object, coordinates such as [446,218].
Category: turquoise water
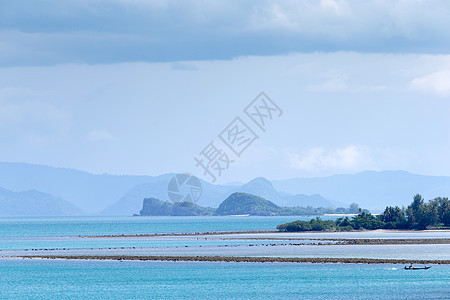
[61,279]
[87,243]
[63,236]
[406,252]
[84,226]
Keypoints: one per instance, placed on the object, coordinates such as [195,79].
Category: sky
[143,87]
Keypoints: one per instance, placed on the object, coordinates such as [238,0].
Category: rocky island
[237,203]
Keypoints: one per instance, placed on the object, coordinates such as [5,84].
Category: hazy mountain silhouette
[212,195]
[315,200]
[263,188]
[370,189]
[34,203]
[90,192]
[123,195]
[131,203]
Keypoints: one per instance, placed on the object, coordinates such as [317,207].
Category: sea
[74,279]
[24,278]
[101,226]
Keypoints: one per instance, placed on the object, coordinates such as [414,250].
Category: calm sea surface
[68,236]
[61,279]
[83,226]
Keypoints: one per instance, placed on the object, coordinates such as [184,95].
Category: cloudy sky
[142,87]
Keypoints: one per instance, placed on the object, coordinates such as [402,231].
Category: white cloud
[437,82]
[98,135]
[320,159]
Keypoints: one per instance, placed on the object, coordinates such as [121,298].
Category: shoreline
[388,241]
[207,233]
[178,234]
[342,241]
[241,259]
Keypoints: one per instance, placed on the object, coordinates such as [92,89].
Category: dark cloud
[110,31]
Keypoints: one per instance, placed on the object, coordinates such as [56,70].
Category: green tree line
[418,215]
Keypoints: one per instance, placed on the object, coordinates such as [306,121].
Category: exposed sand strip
[245,259]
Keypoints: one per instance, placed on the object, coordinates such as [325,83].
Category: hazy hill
[261,187]
[123,195]
[34,203]
[370,189]
[315,200]
[212,195]
[90,192]
[131,202]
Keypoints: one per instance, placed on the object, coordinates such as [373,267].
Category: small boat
[416,268]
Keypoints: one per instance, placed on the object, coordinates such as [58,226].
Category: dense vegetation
[418,215]
[237,204]
[318,211]
[243,204]
[155,207]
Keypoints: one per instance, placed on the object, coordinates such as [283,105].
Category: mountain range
[34,203]
[370,189]
[123,194]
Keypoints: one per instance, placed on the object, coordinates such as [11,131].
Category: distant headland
[238,204]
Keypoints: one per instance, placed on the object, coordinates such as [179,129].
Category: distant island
[238,204]
[155,207]
[434,214]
